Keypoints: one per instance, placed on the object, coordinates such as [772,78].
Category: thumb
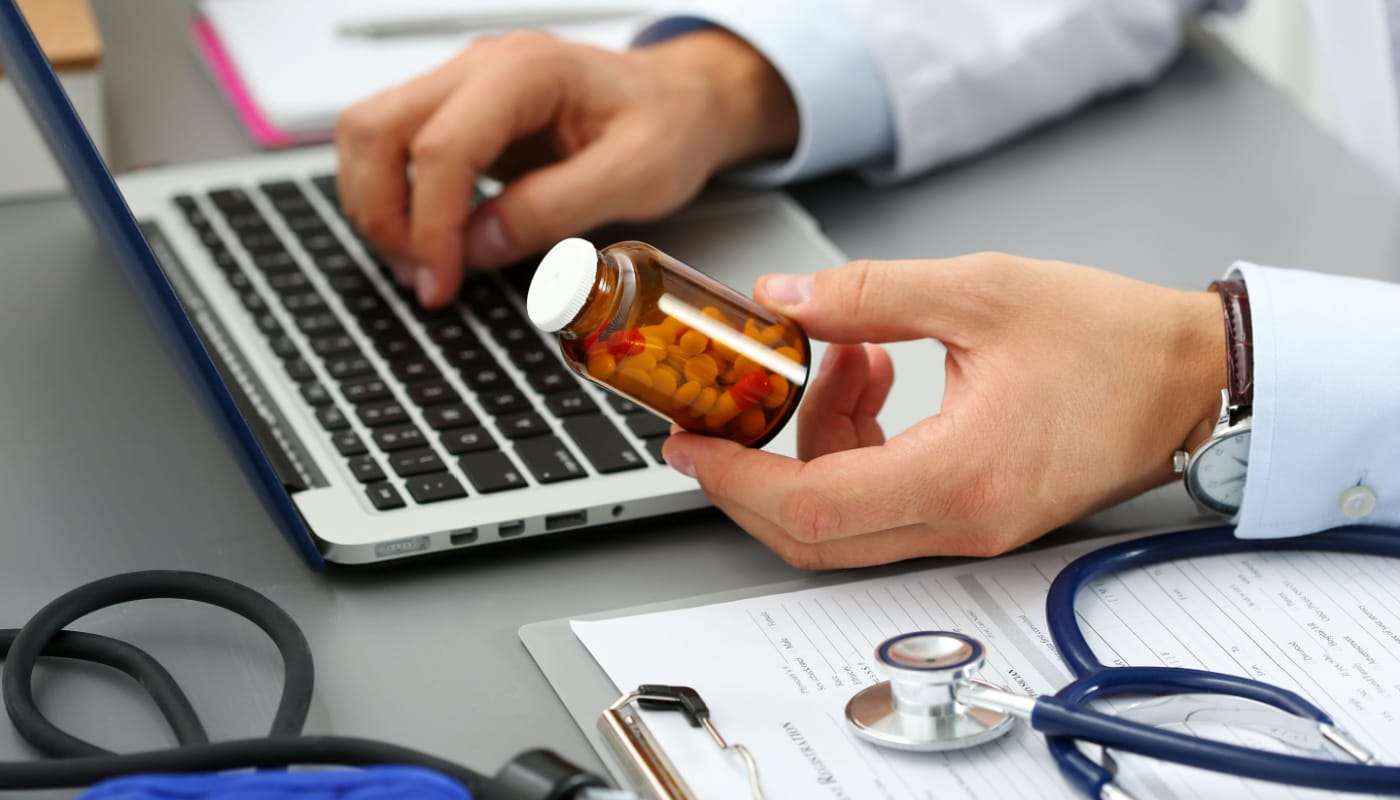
[556,201]
[888,301]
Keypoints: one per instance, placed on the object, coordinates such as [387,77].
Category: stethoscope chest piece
[917,708]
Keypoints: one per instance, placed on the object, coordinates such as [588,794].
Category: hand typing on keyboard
[581,136]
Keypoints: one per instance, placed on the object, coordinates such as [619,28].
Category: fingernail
[427,285]
[403,270]
[790,290]
[487,245]
[681,463]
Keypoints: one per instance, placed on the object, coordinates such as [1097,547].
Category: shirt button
[1358,501]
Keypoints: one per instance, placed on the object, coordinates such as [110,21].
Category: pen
[477,21]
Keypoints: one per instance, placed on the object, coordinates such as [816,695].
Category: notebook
[288,69]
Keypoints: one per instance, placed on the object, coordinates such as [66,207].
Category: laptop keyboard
[401,423]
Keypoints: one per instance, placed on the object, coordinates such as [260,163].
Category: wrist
[750,110]
[1202,352]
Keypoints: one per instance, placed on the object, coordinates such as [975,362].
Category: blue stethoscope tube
[1064,717]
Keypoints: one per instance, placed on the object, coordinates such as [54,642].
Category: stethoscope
[934,701]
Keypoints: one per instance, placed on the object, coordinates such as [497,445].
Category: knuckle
[810,517]
[530,44]
[429,147]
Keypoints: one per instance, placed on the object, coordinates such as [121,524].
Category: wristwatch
[1214,472]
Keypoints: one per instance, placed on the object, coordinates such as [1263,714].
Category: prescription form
[777,670]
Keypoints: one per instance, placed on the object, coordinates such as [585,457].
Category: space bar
[602,444]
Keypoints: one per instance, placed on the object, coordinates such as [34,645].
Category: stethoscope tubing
[1065,719]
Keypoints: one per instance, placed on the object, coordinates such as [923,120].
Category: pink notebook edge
[226,77]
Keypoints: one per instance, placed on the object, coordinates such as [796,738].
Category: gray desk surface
[107,464]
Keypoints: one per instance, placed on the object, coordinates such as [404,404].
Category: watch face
[1217,473]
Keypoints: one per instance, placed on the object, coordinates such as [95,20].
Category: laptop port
[573,519]
[508,529]
[464,536]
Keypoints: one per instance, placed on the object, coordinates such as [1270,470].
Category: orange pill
[601,365]
[704,402]
[790,354]
[751,328]
[772,334]
[724,411]
[633,381]
[701,368]
[659,332]
[643,362]
[778,393]
[743,365]
[626,342]
[749,391]
[693,343]
[687,393]
[751,424]
[714,313]
[664,381]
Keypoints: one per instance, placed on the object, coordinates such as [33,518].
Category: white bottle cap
[561,284]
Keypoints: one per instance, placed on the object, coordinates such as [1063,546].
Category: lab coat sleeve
[1326,401]
[843,111]
[963,75]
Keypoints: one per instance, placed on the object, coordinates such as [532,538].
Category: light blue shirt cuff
[1326,401]
[844,114]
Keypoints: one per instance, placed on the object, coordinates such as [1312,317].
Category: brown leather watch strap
[1239,343]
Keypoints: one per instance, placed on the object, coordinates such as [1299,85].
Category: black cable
[75,762]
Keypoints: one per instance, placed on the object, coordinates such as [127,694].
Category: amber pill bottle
[678,342]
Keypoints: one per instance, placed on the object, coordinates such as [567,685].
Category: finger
[835,496]
[551,203]
[839,407]
[372,140]
[494,105]
[886,301]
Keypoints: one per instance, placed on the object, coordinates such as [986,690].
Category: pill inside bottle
[667,336]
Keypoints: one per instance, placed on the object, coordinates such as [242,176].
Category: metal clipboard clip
[648,767]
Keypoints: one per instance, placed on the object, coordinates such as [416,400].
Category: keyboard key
[384,496]
[303,303]
[379,415]
[331,418]
[566,404]
[350,366]
[449,330]
[366,469]
[230,198]
[289,282]
[622,405]
[239,282]
[434,488]
[348,444]
[414,369]
[335,261]
[316,324]
[284,347]
[275,262]
[468,355]
[298,370]
[321,244]
[602,443]
[353,284]
[334,345]
[401,437]
[365,390]
[523,425]
[504,401]
[268,324]
[363,304]
[383,326]
[491,471]
[554,379]
[532,357]
[400,348]
[549,459]
[452,415]
[646,426]
[253,302]
[467,440]
[305,225]
[516,335]
[314,393]
[654,447]
[418,461]
[262,243]
[431,393]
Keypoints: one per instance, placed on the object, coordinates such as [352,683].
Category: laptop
[371,429]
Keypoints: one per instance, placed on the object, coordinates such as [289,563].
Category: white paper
[777,671]
[301,72]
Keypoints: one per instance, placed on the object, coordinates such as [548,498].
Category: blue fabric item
[375,783]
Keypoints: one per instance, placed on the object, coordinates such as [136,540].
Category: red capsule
[750,390]
[628,342]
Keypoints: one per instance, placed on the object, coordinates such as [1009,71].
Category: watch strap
[1239,344]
